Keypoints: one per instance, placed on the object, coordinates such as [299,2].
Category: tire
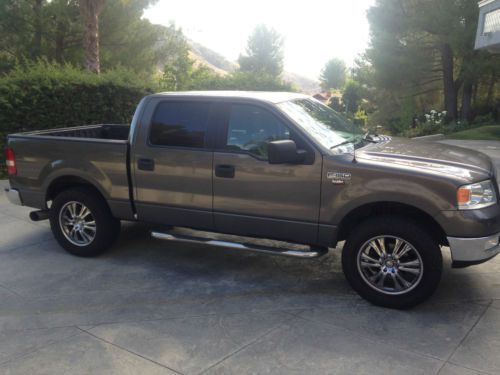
[409,277]
[91,235]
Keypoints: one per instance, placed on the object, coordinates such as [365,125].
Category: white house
[488,30]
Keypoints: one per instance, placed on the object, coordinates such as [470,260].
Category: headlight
[478,195]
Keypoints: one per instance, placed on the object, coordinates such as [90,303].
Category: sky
[314,31]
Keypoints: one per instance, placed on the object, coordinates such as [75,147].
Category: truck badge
[339,178]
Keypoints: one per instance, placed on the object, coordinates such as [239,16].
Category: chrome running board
[240,246]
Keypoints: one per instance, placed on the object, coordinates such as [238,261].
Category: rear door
[253,197]
[172,162]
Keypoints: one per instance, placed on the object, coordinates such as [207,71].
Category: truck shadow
[213,268]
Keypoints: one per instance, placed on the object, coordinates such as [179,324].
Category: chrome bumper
[467,251]
[13,196]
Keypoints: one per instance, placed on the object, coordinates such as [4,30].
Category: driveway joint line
[11,291]
[469,368]
[251,342]
[486,308]
[129,351]
[37,349]
[369,339]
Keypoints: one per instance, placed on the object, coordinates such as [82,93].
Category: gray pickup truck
[277,166]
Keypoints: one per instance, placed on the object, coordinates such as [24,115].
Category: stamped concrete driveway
[149,307]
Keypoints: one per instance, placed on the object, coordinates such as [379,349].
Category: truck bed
[97,154]
[115,132]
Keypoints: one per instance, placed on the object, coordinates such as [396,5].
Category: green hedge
[42,96]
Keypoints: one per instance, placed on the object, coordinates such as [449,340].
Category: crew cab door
[172,163]
[253,197]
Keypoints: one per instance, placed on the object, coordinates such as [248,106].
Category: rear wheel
[392,262]
[82,222]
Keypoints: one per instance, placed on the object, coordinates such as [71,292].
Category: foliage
[264,52]
[240,81]
[352,96]
[55,32]
[421,52]
[43,95]
[333,75]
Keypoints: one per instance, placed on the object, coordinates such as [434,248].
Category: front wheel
[82,222]
[392,262]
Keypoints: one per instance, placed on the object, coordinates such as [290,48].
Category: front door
[253,197]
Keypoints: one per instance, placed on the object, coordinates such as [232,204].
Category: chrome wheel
[77,223]
[390,265]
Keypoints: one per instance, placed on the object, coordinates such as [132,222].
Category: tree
[422,47]
[125,38]
[352,96]
[178,69]
[264,52]
[90,10]
[333,75]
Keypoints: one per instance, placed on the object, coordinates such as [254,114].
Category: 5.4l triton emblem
[339,178]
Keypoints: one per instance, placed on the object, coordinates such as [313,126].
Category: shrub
[241,81]
[42,95]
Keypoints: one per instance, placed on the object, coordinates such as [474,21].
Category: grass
[488,133]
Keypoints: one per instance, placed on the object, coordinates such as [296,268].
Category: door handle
[224,171]
[146,164]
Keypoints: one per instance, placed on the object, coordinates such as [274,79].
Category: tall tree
[264,52]
[90,11]
[415,44]
[38,28]
[333,75]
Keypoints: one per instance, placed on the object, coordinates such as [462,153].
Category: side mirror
[284,152]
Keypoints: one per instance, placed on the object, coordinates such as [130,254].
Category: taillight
[10,159]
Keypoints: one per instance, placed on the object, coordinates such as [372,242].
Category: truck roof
[267,96]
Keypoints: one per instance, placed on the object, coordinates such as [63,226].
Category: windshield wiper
[343,143]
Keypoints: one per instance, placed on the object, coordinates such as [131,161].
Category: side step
[240,246]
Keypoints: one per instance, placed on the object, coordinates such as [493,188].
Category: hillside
[221,65]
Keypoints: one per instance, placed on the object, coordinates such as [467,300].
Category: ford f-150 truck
[277,166]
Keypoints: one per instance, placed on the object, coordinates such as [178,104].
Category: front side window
[181,124]
[251,128]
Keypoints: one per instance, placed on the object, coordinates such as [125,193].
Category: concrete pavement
[149,307]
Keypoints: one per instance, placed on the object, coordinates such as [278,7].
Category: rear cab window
[180,124]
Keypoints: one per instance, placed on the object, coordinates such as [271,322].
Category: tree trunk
[59,52]
[466,102]
[491,88]
[474,95]
[90,10]
[37,24]
[450,89]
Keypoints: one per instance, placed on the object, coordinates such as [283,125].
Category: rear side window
[181,124]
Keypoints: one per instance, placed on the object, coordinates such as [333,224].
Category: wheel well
[353,218]
[63,183]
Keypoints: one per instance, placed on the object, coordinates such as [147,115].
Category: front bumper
[13,196]
[469,251]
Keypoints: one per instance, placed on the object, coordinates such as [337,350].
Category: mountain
[204,55]
[306,85]
[212,58]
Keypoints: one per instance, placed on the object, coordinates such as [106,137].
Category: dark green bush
[42,96]
[240,81]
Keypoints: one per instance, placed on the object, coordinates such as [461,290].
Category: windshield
[320,121]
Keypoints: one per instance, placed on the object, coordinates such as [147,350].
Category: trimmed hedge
[42,96]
